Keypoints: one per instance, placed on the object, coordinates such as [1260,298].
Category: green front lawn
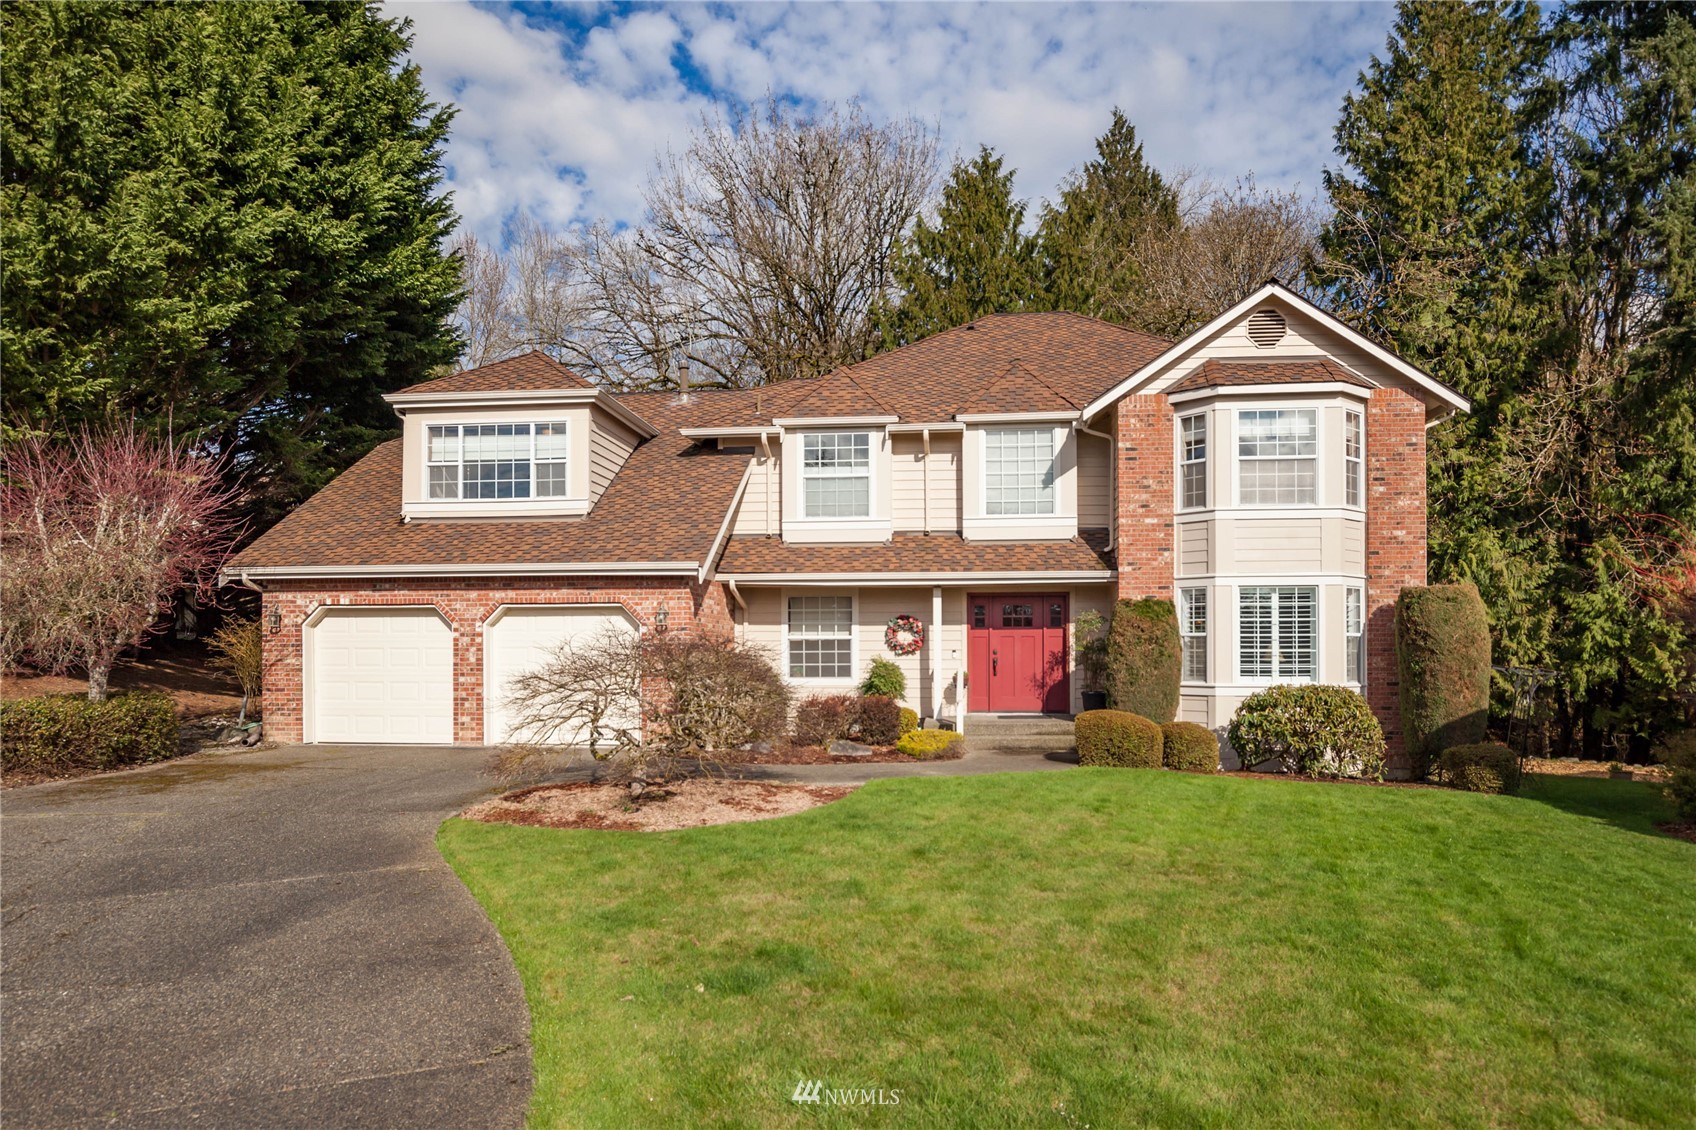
[1113,948]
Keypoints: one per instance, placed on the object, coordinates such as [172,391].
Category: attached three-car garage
[386,675]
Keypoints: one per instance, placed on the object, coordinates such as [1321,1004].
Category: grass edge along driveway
[1112,948]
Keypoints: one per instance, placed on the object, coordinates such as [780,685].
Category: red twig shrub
[103,532]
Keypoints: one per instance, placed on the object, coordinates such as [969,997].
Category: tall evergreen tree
[974,260]
[1089,238]
[223,220]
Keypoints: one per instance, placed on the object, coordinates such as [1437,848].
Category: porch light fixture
[662,619]
[274,620]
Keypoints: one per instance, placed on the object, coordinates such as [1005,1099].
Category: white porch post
[936,651]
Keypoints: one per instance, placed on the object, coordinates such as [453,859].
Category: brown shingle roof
[667,504]
[528,372]
[1306,370]
[919,553]
[1019,390]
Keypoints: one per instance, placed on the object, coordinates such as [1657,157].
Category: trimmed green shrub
[1678,754]
[1443,654]
[884,678]
[66,733]
[1482,767]
[822,718]
[926,744]
[1311,730]
[1144,659]
[909,720]
[879,719]
[1190,747]
[1117,738]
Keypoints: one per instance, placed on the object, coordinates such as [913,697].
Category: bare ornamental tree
[101,534]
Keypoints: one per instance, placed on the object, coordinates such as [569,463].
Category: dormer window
[498,461]
[1018,471]
[836,475]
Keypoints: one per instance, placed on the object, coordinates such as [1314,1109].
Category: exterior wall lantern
[274,620]
[662,619]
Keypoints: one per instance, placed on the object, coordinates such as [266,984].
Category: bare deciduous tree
[586,692]
[101,533]
[763,256]
[1226,244]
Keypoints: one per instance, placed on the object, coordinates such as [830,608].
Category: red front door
[1016,654]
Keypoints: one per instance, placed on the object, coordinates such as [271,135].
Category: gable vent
[1266,328]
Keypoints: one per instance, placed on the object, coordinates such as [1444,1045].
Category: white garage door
[382,675]
[519,640]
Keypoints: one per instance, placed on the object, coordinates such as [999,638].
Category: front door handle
[995,663]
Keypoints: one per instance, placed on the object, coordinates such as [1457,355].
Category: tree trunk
[98,672]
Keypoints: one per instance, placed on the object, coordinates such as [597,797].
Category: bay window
[1194,461]
[1354,635]
[1278,633]
[1354,459]
[821,637]
[1019,471]
[836,475]
[498,461]
[1277,456]
[1192,633]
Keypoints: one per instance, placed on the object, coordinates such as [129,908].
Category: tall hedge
[1144,659]
[1443,652]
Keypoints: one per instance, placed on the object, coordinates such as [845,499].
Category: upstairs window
[1019,471]
[1278,633]
[1354,459]
[821,637]
[1194,461]
[1277,454]
[498,461]
[836,475]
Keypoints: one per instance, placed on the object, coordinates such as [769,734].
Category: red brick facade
[467,604]
[1145,499]
[1395,545]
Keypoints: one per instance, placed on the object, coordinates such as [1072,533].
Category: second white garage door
[381,675]
[520,639]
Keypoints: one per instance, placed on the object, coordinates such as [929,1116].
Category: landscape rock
[843,748]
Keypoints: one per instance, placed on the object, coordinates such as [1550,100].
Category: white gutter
[548,569]
[1112,481]
[964,578]
[724,527]
[1017,417]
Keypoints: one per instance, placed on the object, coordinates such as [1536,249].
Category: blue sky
[563,108]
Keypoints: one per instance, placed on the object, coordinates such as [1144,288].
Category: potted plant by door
[1089,644]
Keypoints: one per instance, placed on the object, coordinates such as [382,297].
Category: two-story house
[1267,473]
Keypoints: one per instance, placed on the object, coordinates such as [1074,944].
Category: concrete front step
[1047,733]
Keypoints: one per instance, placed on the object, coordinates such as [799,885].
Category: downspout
[936,650]
[730,583]
[1112,482]
[924,470]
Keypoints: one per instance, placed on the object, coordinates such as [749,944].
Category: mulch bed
[1679,831]
[818,755]
[692,803]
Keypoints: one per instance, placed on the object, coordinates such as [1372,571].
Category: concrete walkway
[256,939]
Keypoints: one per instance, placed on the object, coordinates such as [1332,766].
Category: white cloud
[565,122]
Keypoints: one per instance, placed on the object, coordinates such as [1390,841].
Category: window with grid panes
[1192,633]
[1277,456]
[1194,461]
[1354,634]
[1019,471]
[821,637]
[498,461]
[836,475]
[1354,459]
[1278,632]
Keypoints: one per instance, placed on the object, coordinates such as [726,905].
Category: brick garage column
[1146,502]
[1395,545]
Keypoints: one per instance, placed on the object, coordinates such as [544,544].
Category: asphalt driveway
[257,939]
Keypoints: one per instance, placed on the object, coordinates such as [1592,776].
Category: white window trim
[874,448]
[1319,628]
[1206,637]
[1343,454]
[1207,429]
[1320,460]
[852,679]
[1059,437]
